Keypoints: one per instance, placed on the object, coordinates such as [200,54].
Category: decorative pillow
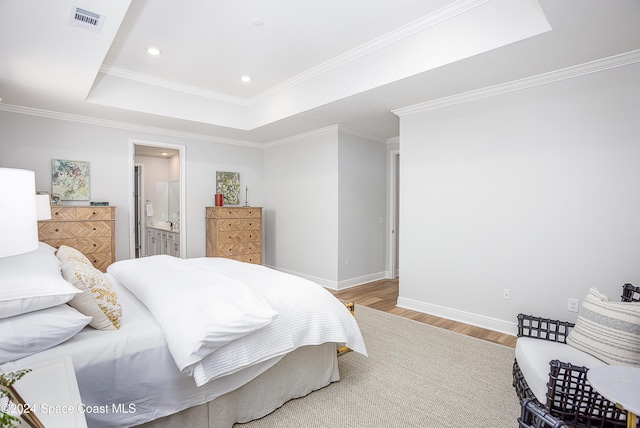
[608,330]
[72,255]
[32,281]
[99,299]
[33,332]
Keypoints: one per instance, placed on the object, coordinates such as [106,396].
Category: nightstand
[51,391]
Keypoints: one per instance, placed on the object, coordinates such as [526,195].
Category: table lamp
[43,207]
[18,219]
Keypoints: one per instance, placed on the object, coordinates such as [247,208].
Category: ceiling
[312,64]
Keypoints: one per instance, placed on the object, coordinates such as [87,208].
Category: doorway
[152,188]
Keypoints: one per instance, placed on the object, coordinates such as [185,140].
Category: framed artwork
[55,199]
[228,183]
[70,180]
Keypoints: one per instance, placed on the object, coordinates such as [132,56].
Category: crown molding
[168,84]
[394,36]
[124,125]
[572,72]
[303,136]
[393,140]
[356,133]
[320,132]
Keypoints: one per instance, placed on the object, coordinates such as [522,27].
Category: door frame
[182,150]
[394,198]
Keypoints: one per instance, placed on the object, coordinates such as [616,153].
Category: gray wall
[322,196]
[30,142]
[325,195]
[536,191]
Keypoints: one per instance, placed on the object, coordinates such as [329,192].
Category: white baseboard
[483,321]
[322,281]
[336,285]
[348,283]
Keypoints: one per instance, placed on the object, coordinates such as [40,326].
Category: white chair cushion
[534,355]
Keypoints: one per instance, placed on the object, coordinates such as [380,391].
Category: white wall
[301,215]
[326,192]
[30,142]
[536,191]
[362,210]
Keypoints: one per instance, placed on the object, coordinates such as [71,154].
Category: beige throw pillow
[99,300]
[610,331]
[71,255]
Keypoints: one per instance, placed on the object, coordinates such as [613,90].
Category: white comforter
[220,316]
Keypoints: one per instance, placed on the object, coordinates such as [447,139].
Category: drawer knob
[94,228]
[94,213]
[95,245]
[55,230]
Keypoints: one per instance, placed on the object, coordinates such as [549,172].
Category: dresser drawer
[247,258]
[225,212]
[82,213]
[235,236]
[239,224]
[94,213]
[225,250]
[62,229]
[63,213]
[93,228]
[93,245]
[57,243]
[56,230]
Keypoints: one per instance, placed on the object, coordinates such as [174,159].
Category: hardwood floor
[383,295]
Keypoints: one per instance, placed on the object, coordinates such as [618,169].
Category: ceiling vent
[85,19]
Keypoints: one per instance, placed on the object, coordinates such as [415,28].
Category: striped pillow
[608,330]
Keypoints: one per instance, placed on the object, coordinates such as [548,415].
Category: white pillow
[27,334]
[32,281]
[608,330]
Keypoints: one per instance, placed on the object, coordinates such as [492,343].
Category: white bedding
[307,314]
[133,365]
[198,309]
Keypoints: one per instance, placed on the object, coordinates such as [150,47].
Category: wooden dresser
[90,230]
[235,233]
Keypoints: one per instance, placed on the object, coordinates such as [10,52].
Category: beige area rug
[416,376]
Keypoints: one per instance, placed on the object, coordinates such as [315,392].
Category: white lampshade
[43,207]
[18,221]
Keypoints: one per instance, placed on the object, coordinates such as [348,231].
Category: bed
[172,376]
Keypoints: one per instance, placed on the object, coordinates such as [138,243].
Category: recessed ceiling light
[258,22]
[164,153]
[154,51]
[246,79]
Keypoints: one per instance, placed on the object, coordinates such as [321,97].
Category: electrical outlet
[506,294]
[573,305]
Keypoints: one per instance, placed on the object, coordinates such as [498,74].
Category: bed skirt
[302,371]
